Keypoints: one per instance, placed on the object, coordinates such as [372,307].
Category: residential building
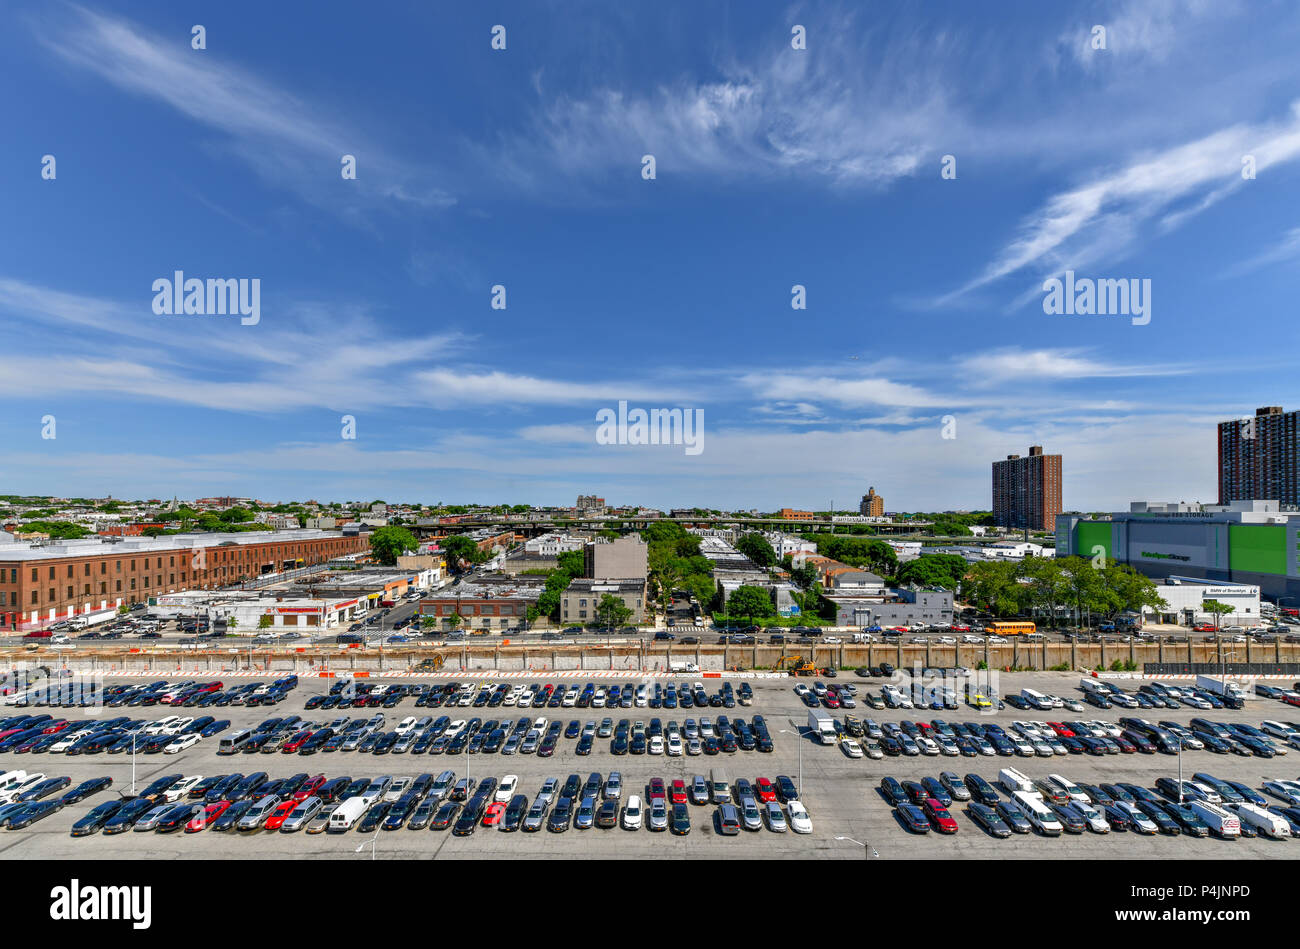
[580,598]
[1259,457]
[1027,491]
[873,505]
[589,503]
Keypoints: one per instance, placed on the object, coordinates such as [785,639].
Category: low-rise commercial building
[902,607]
[482,605]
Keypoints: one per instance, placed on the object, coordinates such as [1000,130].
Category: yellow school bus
[1000,628]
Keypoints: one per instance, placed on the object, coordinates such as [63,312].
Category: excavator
[796,665]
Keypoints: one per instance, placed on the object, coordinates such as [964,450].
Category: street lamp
[868,850]
[373,840]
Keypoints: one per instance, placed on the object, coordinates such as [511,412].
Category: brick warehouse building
[43,583]
[1027,491]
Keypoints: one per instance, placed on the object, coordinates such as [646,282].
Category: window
[70,592]
[36,597]
[133,583]
[87,589]
[51,594]
[34,577]
[103,587]
[103,566]
[51,573]
[87,568]
[119,586]
[69,571]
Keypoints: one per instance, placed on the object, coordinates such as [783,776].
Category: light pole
[373,840]
[868,851]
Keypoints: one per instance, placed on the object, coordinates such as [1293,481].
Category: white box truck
[678,666]
[1224,689]
[822,725]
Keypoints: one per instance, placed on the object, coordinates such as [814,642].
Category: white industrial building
[1186,597]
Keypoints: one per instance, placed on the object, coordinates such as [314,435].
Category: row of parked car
[23,734]
[349,693]
[78,692]
[525,735]
[1046,739]
[26,798]
[1202,806]
[315,804]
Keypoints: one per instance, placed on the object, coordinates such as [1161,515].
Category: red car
[831,700]
[310,788]
[766,790]
[657,789]
[206,816]
[279,815]
[492,816]
[55,726]
[1062,729]
[678,791]
[1125,745]
[1203,628]
[294,742]
[939,816]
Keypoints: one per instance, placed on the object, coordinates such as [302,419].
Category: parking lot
[841,794]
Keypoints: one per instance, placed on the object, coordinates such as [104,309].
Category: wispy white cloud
[862,106]
[1000,366]
[290,141]
[1068,231]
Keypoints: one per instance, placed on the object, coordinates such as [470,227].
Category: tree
[388,543]
[1216,608]
[231,622]
[460,547]
[455,619]
[750,601]
[264,622]
[934,570]
[755,546]
[152,531]
[611,611]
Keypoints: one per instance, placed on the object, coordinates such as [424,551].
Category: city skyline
[925,352]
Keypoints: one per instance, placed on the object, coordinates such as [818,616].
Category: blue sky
[522,167]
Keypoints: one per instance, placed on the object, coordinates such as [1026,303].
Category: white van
[1264,822]
[233,744]
[1037,699]
[1037,813]
[346,814]
[1014,781]
[1068,787]
[1222,823]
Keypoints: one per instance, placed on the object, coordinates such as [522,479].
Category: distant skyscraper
[873,505]
[1259,457]
[1027,491]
